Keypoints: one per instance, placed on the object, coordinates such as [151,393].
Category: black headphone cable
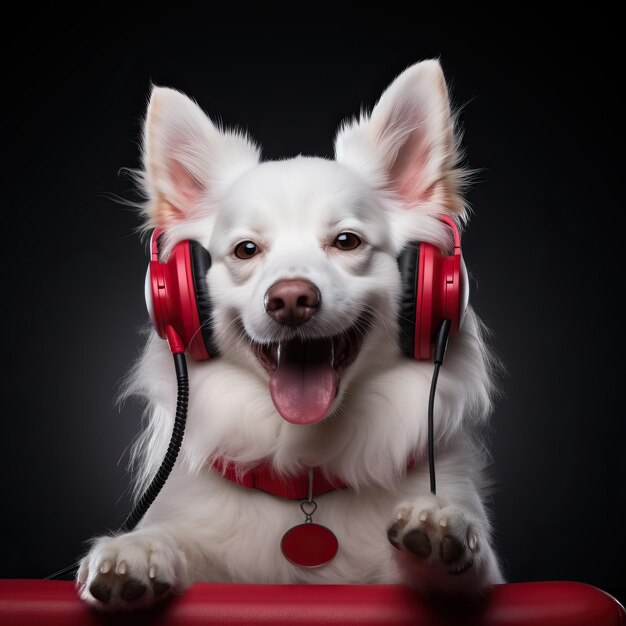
[182,402]
[441,344]
[165,469]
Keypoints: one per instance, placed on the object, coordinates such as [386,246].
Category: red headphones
[434,288]
[177,297]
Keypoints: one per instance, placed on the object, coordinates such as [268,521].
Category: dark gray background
[541,120]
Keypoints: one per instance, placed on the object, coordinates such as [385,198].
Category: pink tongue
[303,389]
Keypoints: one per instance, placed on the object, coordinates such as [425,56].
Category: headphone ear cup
[177,297]
[200,264]
[408,264]
[434,288]
[464,289]
[421,266]
[427,301]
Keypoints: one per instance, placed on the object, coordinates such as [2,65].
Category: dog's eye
[347,241]
[246,250]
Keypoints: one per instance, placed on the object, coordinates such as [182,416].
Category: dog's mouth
[305,373]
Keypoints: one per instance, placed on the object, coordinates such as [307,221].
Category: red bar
[54,603]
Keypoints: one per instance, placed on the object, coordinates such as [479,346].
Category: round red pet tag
[309,545]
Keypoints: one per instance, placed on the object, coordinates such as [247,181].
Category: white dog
[335,228]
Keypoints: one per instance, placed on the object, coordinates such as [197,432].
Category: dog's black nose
[292,302]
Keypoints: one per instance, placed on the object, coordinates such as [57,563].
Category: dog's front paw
[132,571]
[436,533]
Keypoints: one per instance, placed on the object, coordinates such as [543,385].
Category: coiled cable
[165,469]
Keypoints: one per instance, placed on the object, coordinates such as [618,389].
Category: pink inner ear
[409,174]
[166,213]
[187,186]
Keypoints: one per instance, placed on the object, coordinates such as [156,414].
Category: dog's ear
[408,145]
[187,160]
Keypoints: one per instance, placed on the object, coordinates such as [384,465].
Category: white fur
[394,172]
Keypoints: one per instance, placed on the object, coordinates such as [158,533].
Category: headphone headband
[446,219]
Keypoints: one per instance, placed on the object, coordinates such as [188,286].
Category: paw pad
[417,542]
[100,591]
[132,589]
[451,549]
[159,588]
[131,571]
[435,532]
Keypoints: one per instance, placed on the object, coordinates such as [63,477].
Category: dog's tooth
[278,350]
[105,567]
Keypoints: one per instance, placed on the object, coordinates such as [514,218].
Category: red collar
[264,478]
[295,487]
